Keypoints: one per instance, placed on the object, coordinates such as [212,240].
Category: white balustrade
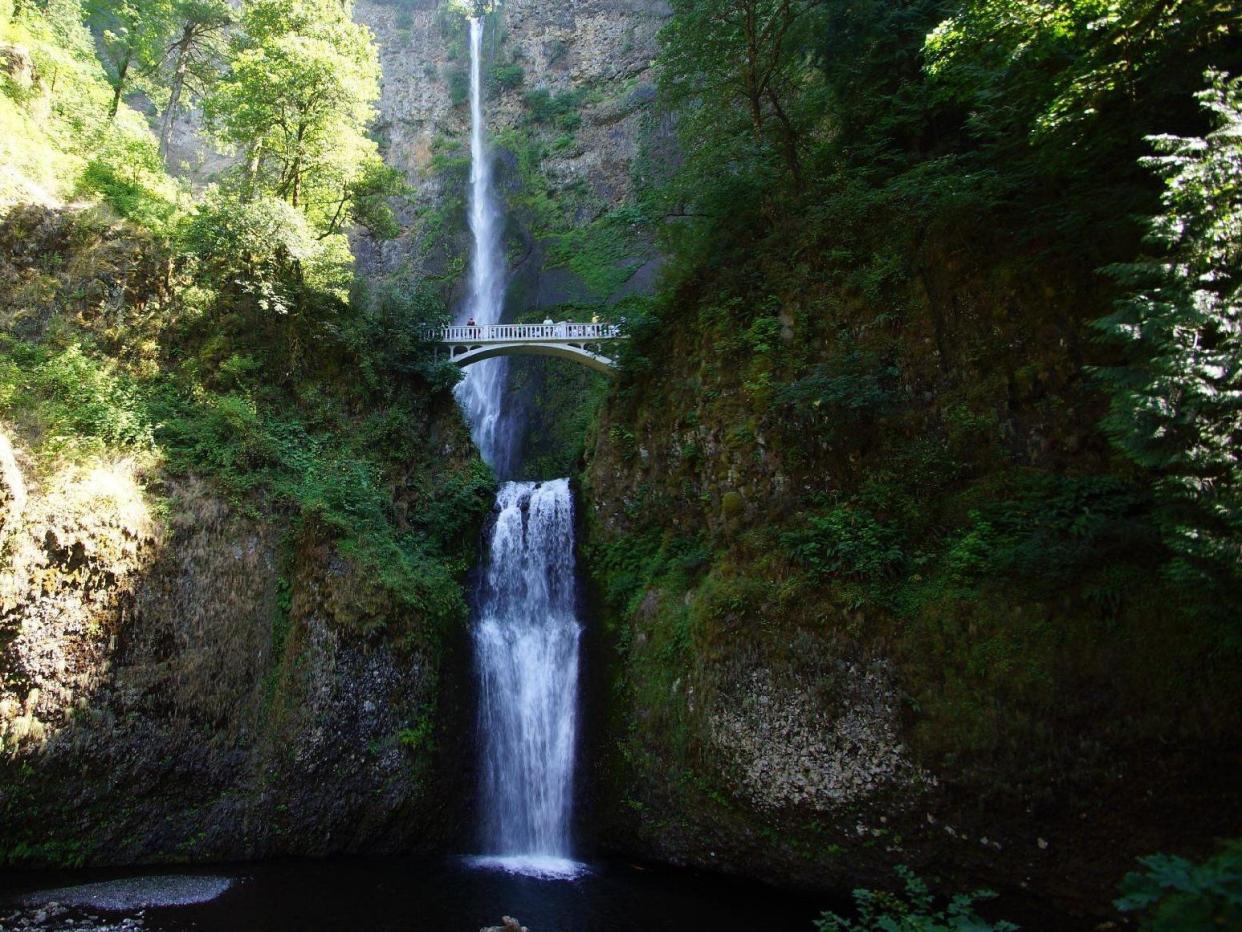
[524,333]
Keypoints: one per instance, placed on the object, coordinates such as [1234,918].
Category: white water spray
[480,392]
[526,642]
[526,633]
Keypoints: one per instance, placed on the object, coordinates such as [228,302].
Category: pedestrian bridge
[582,343]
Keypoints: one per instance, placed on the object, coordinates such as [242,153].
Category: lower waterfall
[526,647]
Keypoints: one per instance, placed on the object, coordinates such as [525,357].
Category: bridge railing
[505,333]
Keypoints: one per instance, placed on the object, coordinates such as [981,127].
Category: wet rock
[507,924]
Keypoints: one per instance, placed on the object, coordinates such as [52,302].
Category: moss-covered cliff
[875,586]
[196,600]
[914,623]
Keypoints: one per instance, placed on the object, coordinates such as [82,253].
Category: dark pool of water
[403,895]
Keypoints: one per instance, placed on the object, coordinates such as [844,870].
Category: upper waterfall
[481,391]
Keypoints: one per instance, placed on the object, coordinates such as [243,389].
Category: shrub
[915,911]
[1176,895]
[853,386]
[458,85]
[845,541]
[560,108]
[76,403]
[508,77]
[250,249]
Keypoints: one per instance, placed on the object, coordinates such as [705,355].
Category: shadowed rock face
[159,703]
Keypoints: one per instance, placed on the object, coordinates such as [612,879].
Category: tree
[297,97]
[1176,407]
[191,57]
[1064,61]
[251,252]
[133,36]
[746,57]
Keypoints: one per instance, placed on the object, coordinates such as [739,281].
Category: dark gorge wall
[876,591]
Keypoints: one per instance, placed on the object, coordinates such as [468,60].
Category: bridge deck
[582,343]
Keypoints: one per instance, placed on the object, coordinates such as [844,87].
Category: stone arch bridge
[586,344]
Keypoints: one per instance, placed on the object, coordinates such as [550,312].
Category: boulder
[17,65]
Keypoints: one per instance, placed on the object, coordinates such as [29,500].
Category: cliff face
[871,596]
[190,672]
[567,94]
[181,686]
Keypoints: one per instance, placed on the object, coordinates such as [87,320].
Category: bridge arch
[463,356]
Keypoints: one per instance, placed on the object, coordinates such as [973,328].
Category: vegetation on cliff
[241,348]
[206,358]
[868,417]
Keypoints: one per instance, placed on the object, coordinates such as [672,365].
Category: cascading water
[526,642]
[526,634]
[480,392]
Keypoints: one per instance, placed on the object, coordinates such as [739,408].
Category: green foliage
[915,911]
[56,134]
[1049,530]
[332,477]
[601,253]
[845,542]
[252,251]
[417,737]
[75,403]
[386,335]
[559,109]
[368,199]
[1064,62]
[458,85]
[127,174]
[1177,895]
[1177,406]
[739,77]
[854,387]
[134,34]
[507,77]
[297,98]
[55,853]
[632,564]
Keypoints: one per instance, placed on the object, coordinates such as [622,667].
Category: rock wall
[778,706]
[186,675]
[602,50]
[182,686]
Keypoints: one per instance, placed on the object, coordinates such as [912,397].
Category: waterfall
[526,643]
[480,392]
[526,633]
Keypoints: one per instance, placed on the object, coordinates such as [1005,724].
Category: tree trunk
[792,162]
[178,82]
[252,170]
[119,87]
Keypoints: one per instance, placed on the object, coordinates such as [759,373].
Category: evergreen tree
[1177,406]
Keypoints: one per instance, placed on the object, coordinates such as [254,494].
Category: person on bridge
[474,327]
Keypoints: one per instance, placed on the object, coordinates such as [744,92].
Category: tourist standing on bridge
[474,328]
